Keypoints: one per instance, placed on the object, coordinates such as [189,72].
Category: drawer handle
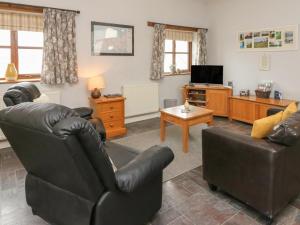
[111,125]
[111,107]
[111,117]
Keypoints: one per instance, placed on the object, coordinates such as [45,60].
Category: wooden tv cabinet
[212,97]
[248,109]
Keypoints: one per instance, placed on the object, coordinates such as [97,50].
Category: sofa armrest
[273,111]
[143,168]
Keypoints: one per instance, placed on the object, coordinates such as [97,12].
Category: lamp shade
[96,82]
[11,73]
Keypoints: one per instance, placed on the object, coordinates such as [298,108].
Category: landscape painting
[261,42]
[275,39]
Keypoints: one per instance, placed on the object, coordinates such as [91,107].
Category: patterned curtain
[201,50]
[158,52]
[59,58]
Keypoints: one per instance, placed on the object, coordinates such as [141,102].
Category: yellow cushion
[292,108]
[263,127]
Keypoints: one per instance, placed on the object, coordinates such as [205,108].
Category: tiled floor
[186,198]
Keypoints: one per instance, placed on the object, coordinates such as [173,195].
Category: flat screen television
[204,74]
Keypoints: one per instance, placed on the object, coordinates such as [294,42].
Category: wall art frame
[269,39]
[110,39]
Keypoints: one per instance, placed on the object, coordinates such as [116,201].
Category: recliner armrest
[143,168]
[14,97]
[99,127]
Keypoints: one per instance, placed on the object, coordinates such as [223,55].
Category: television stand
[213,97]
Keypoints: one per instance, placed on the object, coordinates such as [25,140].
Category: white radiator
[141,99]
[54,97]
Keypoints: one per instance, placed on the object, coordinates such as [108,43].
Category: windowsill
[176,74]
[3,81]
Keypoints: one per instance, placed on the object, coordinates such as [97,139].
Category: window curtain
[59,58]
[21,21]
[158,52]
[201,48]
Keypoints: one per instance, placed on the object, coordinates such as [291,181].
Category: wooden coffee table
[174,115]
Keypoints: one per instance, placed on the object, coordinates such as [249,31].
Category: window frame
[174,53]
[14,55]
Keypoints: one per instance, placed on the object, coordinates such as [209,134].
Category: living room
[164,160]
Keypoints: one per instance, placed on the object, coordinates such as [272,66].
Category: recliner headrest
[40,116]
[29,89]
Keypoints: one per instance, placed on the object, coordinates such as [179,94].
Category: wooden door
[242,110]
[217,100]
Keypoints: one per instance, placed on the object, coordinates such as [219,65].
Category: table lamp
[95,84]
[11,73]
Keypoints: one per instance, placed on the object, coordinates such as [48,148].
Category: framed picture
[274,39]
[112,39]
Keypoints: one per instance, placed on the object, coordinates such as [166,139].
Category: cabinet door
[242,110]
[217,100]
[262,109]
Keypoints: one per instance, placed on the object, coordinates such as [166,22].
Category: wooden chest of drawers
[111,112]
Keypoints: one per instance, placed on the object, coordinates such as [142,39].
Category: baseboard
[142,117]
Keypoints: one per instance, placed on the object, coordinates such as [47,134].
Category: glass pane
[167,63]
[168,46]
[182,46]
[30,39]
[5,37]
[182,61]
[4,60]
[30,61]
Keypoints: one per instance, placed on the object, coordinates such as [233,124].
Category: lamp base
[95,93]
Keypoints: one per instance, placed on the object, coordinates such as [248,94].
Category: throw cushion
[263,127]
[288,131]
[292,108]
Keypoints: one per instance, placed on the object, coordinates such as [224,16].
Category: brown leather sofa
[263,173]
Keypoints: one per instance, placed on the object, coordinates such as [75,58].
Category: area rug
[183,162]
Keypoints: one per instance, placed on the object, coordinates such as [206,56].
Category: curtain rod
[176,27]
[25,7]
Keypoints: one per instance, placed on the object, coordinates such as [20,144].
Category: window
[24,49]
[178,57]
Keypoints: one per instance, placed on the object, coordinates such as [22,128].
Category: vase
[187,105]
[11,73]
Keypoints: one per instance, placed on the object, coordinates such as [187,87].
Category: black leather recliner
[70,178]
[27,92]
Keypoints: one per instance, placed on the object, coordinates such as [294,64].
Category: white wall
[230,16]
[119,70]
